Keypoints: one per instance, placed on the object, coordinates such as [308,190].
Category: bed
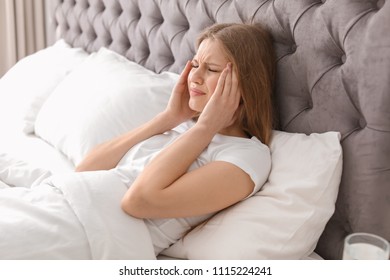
[111,65]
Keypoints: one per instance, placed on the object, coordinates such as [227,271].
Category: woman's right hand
[178,110]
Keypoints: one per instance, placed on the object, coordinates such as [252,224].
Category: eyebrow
[208,63]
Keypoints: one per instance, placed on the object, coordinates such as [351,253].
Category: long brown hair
[249,47]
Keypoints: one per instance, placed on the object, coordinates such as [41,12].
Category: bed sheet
[3,185]
[33,151]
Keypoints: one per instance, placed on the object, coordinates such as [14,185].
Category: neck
[234,130]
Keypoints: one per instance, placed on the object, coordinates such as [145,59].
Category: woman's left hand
[221,110]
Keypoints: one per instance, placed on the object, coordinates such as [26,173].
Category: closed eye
[193,65]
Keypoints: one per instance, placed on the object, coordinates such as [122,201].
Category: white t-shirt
[250,155]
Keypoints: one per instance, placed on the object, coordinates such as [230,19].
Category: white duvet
[70,216]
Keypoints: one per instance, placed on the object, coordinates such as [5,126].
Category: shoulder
[251,155]
[239,147]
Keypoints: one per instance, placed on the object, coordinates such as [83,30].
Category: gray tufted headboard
[333,74]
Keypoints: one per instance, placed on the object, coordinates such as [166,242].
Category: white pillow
[105,96]
[286,218]
[25,87]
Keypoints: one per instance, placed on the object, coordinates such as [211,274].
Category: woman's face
[207,65]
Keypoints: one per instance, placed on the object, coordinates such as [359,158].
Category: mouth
[196,92]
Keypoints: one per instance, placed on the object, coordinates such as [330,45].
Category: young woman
[195,168]
[208,149]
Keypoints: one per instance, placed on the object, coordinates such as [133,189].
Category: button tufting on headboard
[343,58]
[293,48]
[333,74]
[362,123]
[380,3]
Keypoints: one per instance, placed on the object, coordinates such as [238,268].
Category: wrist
[168,121]
[205,130]
[165,121]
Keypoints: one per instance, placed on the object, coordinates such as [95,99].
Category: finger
[184,74]
[221,82]
[235,86]
[228,81]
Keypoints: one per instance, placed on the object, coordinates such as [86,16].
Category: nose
[196,76]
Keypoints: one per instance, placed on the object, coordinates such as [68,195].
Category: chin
[196,106]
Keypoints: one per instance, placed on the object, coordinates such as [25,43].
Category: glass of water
[365,246]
